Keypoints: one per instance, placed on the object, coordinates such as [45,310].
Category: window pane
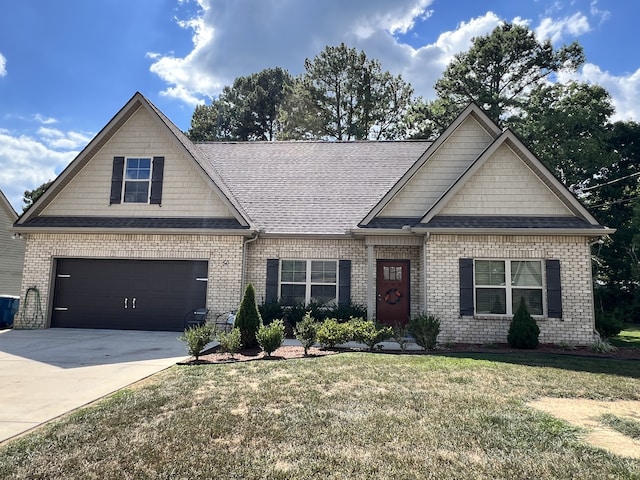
[138,169]
[136,192]
[294,271]
[323,293]
[292,294]
[393,274]
[532,298]
[526,274]
[491,300]
[323,272]
[489,272]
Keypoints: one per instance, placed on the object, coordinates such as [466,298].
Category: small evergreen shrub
[270,337]
[331,333]
[425,329]
[248,318]
[523,331]
[607,325]
[270,311]
[230,342]
[197,338]
[305,332]
[400,334]
[364,331]
[602,346]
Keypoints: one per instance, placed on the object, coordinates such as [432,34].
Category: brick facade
[436,290]
[224,254]
[443,288]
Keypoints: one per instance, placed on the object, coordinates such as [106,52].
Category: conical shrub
[523,331]
[248,319]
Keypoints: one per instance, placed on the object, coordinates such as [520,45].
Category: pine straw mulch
[213,356]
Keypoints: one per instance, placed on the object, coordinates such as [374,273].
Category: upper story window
[137,180]
[501,284]
[304,281]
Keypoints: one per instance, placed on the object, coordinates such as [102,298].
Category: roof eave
[136,231]
[582,232]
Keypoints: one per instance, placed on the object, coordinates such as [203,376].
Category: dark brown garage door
[127,294]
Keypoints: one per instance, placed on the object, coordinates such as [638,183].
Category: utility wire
[610,182]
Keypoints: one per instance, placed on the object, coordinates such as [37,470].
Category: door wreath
[392,296]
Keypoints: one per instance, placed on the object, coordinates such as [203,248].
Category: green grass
[629,337]
[626,426]
[347,416]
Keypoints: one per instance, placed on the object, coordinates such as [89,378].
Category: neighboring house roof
[310,187]
[7,207]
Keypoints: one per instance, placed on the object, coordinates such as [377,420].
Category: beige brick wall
[443,288]
[224,254]
[335,249]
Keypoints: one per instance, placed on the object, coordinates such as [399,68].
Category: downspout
[244,260]
[597,241]
[371,303]
[424,271]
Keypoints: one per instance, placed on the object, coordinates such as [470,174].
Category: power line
[610,182]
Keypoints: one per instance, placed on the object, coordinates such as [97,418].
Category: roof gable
[508,155]
[7,209]
[137,129]
[445,160]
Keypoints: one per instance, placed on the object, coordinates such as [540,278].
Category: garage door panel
[127,294]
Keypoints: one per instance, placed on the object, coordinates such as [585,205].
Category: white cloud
[59,140]
[624,89]
[230,40]
[26,164]
[44,120]
[556,29]
[3,65]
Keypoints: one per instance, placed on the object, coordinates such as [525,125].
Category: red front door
[392,292]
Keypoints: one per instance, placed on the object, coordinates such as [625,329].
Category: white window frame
[148,181]
[308,283]
[508,287]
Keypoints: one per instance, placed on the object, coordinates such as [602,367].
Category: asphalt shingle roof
[309,187]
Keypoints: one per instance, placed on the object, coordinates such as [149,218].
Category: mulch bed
[212,356]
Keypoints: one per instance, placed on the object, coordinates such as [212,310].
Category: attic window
[137,180]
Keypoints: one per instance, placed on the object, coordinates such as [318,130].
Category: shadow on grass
[608,366]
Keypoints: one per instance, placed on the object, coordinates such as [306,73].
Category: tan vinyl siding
[185,192]
[504,185]
[11,254]
[439,172]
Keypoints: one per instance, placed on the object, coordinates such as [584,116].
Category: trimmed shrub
[197,338]
[230,342]
[425,329]
[400,333]
[607,325]
[248,318]
[270,337]
[305,332]
[523,331]
[331,333]
[367,332]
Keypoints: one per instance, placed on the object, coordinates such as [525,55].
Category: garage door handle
[125,302]
[134,302]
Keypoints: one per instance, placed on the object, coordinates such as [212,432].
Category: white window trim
[508,287]
[308,283]
[124,180]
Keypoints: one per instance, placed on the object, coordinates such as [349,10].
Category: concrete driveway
[46,373]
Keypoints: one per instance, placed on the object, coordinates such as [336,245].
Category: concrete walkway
[46,373]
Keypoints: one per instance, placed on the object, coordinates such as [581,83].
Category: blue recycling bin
[8,308]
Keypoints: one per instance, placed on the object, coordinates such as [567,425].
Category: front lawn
[628,337]
[346,416]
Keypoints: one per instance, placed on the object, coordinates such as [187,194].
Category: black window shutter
[466,286]
[554,289]
[271,291]
[116,180]
[156,181]
[344,285]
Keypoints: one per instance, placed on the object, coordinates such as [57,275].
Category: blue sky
[67,66]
